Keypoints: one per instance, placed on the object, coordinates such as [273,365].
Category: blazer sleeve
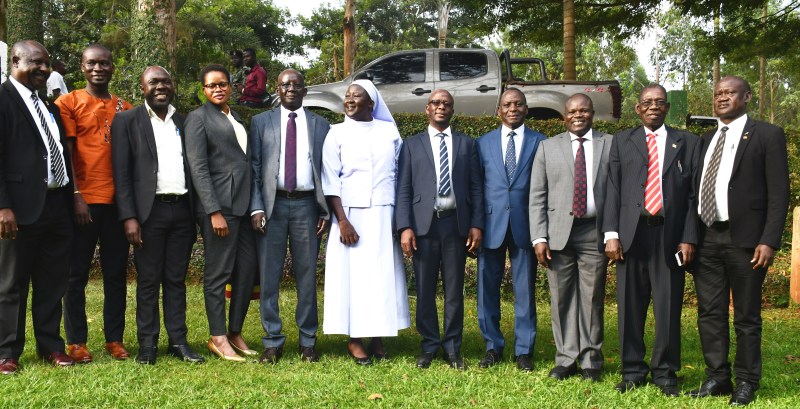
[476,187]
[256,195]
[690,226]
[197,157]
[611,209]
[537,202]
[777,181]
[122,165]
[403,213]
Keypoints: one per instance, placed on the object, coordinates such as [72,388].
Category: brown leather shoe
[9,366]
[79,353]
[59,359]
[117,350]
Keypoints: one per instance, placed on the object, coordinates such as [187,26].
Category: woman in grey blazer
[219,163]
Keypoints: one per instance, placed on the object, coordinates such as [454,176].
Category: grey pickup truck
[475,77]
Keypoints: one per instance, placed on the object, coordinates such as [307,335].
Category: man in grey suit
[568,184]
[287,204]
[648,216]
[439,214]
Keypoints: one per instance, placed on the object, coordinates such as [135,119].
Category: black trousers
[441,249]
[39,256]
[107,228]
[723,268]
[161,264]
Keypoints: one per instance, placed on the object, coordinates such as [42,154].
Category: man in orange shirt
[87,116]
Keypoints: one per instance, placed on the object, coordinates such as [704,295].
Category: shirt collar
[519,131]
[285,112]
[433,132]
[152,114]
[587,136]
[736,126]
[660,132]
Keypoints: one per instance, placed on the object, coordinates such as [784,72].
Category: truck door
[472,76]
[404,80]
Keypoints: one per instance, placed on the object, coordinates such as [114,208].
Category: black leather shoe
[628,384]
[670,391]
[744,394]
[185,353]
[455,360]
[563,372]
[147,355]
[424,360]
[271,355]
[524,362]
[365,361]
[308,354]
[712,387]
[491,358]
[590,374]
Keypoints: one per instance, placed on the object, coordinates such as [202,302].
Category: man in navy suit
[506,156]
[439,214]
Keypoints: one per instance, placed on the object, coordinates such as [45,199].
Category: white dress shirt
[305,176]
[732,138]
[238,129]
[170,178]
[443,202]
[519,135]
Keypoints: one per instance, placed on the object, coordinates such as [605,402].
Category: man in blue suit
[506,156]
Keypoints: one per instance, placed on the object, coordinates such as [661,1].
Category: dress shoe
[271,355]
[9,366]
[670,391]
[455,360]
[185,353]
[712,387]
[491,358]
[744,394]
[147,355]
[629,384]
[79,353]
[591,374]
[563,372]
[242,352]
[117,350]
[214,350]
[59,359]
[424,360]
[379,356]
[524,362]
[308,354]
[365,361]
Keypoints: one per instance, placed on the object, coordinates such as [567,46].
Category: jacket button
[638,205]
[642,184]
[570,213]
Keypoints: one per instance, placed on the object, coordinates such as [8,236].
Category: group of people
[655,200]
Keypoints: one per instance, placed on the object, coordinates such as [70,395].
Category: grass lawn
[337,382]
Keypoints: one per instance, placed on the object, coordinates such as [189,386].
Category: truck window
[400,68]
[456,66]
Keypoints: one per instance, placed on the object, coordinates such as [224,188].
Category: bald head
[30,64]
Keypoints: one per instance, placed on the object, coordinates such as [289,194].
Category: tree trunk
[349,37]
[762,72]
[24,21]
[3,25]
[569,40]
[152,41]
[716,56]
[444,15]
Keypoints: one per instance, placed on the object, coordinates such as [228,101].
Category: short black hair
[249,50]
[237,53]
[213,68]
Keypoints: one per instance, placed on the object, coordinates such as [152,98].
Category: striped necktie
[444,167]
[56,160]
[708,212]
[652,193]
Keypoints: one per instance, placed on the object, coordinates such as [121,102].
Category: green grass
[337,382]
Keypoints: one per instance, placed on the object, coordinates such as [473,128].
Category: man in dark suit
[743,197]
[439,215]
[35,210]
[568,189]
[506,156]
[287,204]
[648,216]
[154,197]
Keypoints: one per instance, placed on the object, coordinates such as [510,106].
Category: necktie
[56,161]
[708,212]
[290,161]
[579,195]
[511,156]
[652,193]
[444,167]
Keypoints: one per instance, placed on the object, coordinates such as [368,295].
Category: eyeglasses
[659,103]
[440,102]
[291,85]
[222,85]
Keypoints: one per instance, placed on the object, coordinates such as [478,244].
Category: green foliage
[24,21]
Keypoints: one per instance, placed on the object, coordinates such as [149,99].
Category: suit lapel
[12,90]
[639,140]
[565,146]
[527,152]
[425,142]
[495,139]
[673,146]
[147,130]
[598,144]
[276,136]
[747,135]
[456,147]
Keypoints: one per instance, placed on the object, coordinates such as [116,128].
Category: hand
[322,225]
[348,234]
[408,242]
[8,224]
[614,251]
[219,225]
[474,240]
[259,222]
[687,251]
[542,251]
[240,88]
[133,232]
[762,256]
[82,214]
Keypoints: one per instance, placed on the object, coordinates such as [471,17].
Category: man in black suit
[35,210]
[153,193]
[439,215]
[649,215]
[743,197]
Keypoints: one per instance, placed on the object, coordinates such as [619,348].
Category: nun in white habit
[365,286]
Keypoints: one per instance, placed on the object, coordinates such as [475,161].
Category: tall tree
[444,16]
[569,39]
[24,21]
[349,28]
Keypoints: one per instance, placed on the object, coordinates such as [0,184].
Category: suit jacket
[553,185]
[220,169]
[23,156]
[758,192]
[417,184]
[506,201]
[628,177]
[265,142]
[135,162]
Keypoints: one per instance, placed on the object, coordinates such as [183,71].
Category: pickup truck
[475,77]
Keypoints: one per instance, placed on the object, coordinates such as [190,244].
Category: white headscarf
[379,109]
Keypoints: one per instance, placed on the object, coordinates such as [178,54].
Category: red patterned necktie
[652,192]
[579,195]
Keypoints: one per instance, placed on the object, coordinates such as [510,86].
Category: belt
[170,198]
[297,194]
[441,214]
[720,225]
[652,220]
